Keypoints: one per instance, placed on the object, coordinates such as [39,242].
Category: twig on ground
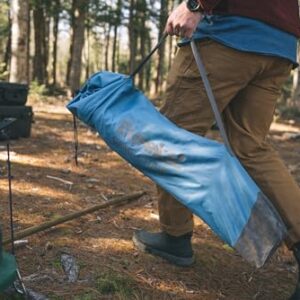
[67,182]
[75,215]
[104,197]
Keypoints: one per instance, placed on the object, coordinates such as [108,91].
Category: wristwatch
[194,6]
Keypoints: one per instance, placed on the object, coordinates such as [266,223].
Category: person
[249,48]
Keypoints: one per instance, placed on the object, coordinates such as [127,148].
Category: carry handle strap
[147,58]
[211,97]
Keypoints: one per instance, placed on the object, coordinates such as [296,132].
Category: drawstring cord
[76,140]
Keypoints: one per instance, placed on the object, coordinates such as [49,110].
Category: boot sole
[175,260]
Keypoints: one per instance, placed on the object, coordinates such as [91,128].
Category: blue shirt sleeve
[246,34]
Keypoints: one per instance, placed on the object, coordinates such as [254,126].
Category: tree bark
[114,51]
[148,68]
[118,52]
[115,41]
[39,68]
[72,15]
[142,51]
[143,40]
[77,44]
[88,53]
[132,36]
[46,46]
[107,44]
[161,51]
[55,41]
[19,41]
[7,54]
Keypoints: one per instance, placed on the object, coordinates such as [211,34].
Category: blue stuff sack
[198,172]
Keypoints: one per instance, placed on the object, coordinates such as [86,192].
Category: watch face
[193,5]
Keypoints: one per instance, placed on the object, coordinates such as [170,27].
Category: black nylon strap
[147,58]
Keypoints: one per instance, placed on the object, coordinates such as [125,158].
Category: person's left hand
[183,22]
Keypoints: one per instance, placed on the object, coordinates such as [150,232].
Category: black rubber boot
[296,295]
[177,250]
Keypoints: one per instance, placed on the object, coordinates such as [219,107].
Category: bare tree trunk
[161,51]
[19,41]
[98,55]
[107,44]
[143,40]
[143,54]
[132,37]
[29,73]
[46,46]
[118,52]
[7,54]
[69,65]
[148,67]
[115,41]
[88,54]
[114,48]
[71,44]
[55,42]
[77,44]
[39,36]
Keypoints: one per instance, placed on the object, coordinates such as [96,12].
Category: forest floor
[110,266]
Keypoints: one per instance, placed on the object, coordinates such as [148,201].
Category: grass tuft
[112,283]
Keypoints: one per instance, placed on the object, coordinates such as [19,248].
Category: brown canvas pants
[246,87]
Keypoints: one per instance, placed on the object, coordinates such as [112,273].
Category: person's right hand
[182,22]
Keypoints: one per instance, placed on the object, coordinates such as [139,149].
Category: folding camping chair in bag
[193,169]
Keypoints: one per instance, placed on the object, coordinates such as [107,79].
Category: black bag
[13,93]
[21,127]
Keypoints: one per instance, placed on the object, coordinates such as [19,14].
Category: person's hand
[183,22]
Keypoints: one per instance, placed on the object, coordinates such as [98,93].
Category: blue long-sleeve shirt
[248,35]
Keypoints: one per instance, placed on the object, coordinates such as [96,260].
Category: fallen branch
[35,229]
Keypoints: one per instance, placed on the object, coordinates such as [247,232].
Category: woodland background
[56,45]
